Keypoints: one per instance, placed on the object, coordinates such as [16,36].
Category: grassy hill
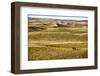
[49,43]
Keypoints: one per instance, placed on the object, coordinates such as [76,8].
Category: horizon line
[58,17]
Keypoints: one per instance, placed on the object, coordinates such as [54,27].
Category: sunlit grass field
[58,43]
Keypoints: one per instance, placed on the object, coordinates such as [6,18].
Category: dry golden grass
[58,43]
[48,53]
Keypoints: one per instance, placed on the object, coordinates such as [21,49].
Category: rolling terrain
[48,41]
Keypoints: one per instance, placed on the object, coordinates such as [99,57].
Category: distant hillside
[42,24]
[52,22]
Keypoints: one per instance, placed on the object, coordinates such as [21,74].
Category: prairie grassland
[58,43]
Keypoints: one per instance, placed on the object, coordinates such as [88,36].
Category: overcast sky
[58,17]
